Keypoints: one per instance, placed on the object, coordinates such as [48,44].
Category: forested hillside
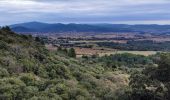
[28,71]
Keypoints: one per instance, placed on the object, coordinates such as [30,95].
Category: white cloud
[72,5]
[89,9]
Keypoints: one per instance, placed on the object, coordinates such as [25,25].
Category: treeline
[138,45]
[126,59]
[68,52]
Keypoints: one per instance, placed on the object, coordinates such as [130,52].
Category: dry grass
[144,53]
[102,52]
[50,47]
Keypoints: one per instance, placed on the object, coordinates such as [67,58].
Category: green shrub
[3,73]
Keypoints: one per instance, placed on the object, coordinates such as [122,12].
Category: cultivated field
[87,43]
[88,51]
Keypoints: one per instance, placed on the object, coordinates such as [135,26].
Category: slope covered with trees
[28,71]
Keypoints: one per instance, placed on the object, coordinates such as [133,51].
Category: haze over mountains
[59,27]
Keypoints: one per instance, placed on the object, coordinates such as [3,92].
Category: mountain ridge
[73,27]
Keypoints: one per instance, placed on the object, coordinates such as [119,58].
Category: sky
[85,11]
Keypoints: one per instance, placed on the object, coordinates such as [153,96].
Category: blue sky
[85,11]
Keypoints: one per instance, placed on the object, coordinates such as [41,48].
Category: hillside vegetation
[28,71]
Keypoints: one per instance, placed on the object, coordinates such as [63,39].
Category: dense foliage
[126,59]
[138,45]
[153,83]
[28,71]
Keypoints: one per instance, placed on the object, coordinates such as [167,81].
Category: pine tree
[72,53]
[6,28]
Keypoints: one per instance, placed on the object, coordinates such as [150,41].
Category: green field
[145,53]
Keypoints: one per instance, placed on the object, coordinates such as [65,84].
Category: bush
[11,89]
[3,73]
[29,79]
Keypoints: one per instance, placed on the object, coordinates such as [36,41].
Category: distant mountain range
[58,27]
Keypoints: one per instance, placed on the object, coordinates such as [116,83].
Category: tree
[37,39]
[72,53]
[153,82]
[65,50]
[163,71]
[59,48]
[85,57]
[6,28]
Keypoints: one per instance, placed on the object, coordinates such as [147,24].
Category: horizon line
[87,23]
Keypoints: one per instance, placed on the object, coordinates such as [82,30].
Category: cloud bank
[87,11]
